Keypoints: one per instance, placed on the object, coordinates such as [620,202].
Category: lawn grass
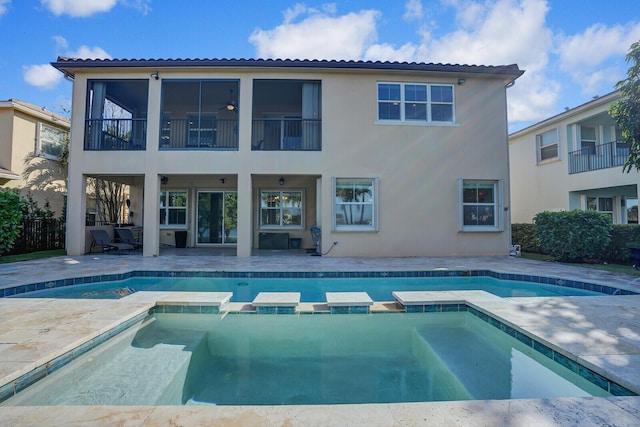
[614,268]
[32,256]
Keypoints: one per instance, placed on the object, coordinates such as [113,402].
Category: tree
[10,219]
[626,111]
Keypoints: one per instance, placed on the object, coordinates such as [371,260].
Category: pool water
[240,359]
[311,289]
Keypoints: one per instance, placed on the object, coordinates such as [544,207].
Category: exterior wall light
[281,180]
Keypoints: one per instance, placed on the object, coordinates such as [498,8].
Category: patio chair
[102,239]
[126,236]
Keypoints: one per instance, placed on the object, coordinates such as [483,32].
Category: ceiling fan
[231,105]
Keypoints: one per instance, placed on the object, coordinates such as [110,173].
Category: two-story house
[388,159]
[573,160]
[31,139]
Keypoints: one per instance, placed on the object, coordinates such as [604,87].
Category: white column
[151,220]
[245,217]
[76,212]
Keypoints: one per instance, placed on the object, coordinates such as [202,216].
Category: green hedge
[616,251]
[525,236]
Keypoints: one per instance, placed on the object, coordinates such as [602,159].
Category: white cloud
[3,6]
[413,10]
[86,52]
[45,76]
[42,76]
[603,44]
[61,42]
[317,35]
[78,8]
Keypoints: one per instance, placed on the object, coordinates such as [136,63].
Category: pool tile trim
[594,287]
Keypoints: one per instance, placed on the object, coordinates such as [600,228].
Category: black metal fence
[39,235]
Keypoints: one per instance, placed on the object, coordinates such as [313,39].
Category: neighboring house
[389,159]
[573,160]
[31,138]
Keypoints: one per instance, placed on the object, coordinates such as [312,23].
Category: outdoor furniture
[102,239]
[126,236]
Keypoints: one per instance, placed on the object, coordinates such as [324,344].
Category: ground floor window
[601,204]
[355,204]
[632,210]
[281,209]
[480,202]
[173,208]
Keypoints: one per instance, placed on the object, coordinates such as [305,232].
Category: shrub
[525,236]
[571,236]
[10,220]
[622,236]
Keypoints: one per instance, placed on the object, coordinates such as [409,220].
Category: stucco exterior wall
[43,178]
[548,185]
[418,166]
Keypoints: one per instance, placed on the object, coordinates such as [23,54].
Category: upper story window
[355,204]
[116,115]
[547,145]
[281,209]
[51,141]
[173,208]
[415,102]
[480,202]
[588,140]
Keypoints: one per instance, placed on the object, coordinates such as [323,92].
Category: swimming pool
[312,286]
[305,360]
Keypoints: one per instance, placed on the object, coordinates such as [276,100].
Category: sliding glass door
[217,217]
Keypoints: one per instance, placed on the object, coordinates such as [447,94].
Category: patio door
[217,218]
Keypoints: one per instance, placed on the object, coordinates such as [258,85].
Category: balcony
[601,156]
[286,134]
[115,134]
[204,134]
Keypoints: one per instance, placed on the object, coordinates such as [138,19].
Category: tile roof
[66,65]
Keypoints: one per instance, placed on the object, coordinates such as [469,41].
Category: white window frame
[44,134]
[429,103]
[373,227]
[167,208]
[598,200]
[498,206]
[282,225]
[540,144]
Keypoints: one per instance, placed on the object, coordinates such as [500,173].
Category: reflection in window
[413,102]
[355,204]
[281,209]
[173,208]
[480,202]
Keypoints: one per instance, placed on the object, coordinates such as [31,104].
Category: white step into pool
[276,302]
[349,302]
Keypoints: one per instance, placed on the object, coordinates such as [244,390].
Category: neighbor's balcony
[288,134]
[210,134]
[602,156]
[115,134]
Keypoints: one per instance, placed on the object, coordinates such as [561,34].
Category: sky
[571,50]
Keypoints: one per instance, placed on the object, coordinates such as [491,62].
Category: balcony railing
[602,156]
[209,134]
[115,134]
[286,134]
